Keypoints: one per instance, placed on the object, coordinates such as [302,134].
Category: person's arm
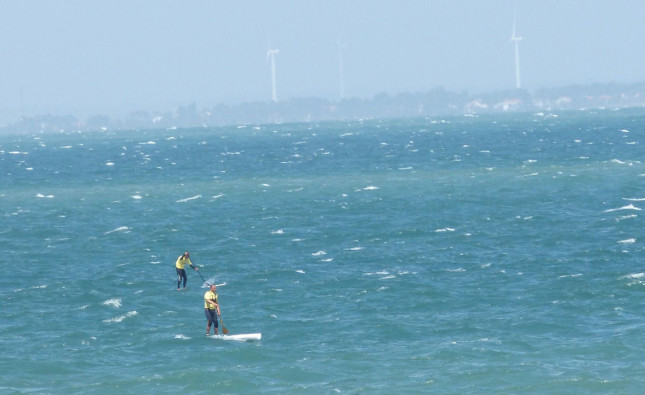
[191,265]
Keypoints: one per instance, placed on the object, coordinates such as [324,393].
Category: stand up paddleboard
[246,337]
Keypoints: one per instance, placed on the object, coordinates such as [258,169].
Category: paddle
[224,330]
[200,275]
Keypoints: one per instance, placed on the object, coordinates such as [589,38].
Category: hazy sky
[86,57]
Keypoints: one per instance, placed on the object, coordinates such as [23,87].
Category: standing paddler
[181,273]
[211,309]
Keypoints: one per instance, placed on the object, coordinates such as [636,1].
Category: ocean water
[492,254]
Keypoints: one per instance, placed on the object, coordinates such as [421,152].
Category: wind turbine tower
[271,56]
[516,40]
[341,73]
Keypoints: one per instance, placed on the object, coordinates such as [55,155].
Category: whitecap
[300,271]
[327,260]
[277,232]
[627,241]
[121,317]
[354,248]
[319,253]
[218,196]
[108,163]
[115,302]
[182,337]
[624,130]
[445,230]
[189,199]
[628,207]
[119,229]
[136,197]
[370,188]
[570,275]
[40,195]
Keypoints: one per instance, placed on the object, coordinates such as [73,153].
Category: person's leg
[209,319]
[178,278]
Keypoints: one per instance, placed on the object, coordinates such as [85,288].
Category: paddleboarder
[181,273]
[211,309]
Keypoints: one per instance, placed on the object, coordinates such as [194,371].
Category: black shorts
[211,315]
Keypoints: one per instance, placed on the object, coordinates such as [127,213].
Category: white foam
[40,195]
[319,253]
[445,230]
[119,229]
[570,275]
[278,232]
[627,241]
[182,337]
[115,302]
[136,197]
[628,207]
[122,317]
[300,271]
[189,199]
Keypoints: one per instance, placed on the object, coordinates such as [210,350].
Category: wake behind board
[245,337]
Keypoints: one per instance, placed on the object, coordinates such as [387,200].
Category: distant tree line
[437,102]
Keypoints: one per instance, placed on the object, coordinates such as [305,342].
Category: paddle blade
[224,330]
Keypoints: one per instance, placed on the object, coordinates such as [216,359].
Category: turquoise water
[497,254]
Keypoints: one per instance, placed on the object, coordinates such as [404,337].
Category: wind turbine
[341,45]
[516,40]
[271,56]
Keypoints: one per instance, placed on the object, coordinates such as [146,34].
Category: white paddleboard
[241,337]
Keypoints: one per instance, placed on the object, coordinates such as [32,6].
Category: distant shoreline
[437,102]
